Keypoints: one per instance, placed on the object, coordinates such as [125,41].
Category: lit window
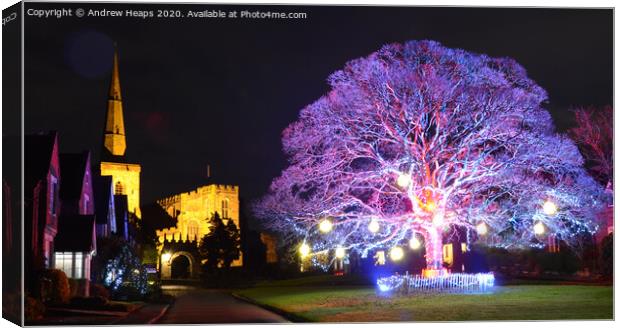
[64,261]
[447,254]
[225,209]
[463,247]
[77,268]
[380,258]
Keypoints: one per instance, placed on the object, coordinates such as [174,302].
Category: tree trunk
[434,249]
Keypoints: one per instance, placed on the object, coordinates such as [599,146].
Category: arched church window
[118,188]
[225,209]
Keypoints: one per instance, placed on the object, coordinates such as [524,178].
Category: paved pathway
[201,306]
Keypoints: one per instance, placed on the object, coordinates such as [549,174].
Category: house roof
[73,168]
[38,149]
[102,192]
[75,234]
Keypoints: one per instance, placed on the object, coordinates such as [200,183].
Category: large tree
[417,139]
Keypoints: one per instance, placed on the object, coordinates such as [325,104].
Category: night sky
[220,91]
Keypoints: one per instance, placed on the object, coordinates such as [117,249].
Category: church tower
[125,175]
[114,136]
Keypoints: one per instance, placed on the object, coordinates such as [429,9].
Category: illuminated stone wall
[126,181]
[191,209]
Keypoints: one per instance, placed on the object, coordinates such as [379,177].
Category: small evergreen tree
[221,245]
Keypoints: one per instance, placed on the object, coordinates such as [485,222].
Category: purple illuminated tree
[418,138]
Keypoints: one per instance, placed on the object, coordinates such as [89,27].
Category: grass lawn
[314,300]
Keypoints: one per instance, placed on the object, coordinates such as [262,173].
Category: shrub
[54,287]
[88,302]
[97,290]
[34,308]
[607,255]
[128,292]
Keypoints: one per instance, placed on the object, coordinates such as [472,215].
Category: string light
[459,282]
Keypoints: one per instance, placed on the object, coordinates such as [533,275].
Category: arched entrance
[180,267]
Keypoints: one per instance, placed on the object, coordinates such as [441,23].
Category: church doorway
[180,268]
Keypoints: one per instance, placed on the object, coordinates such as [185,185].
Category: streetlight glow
[397,254]
[166,257]
[325,226]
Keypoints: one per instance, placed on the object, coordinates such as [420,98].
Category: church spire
[114,135]
[115,83]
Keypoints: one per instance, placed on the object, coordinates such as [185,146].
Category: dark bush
[97,302]
[607,256]
[128,292]
[34,308]
[54,287]
[97,290]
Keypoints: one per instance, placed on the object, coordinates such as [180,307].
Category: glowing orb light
[397,254]
[373,226]
[325,226]
[539,228]
[414,243]
[304,250]
[482,229]
[166,257]
[403,180]
[340,252]
[549,208]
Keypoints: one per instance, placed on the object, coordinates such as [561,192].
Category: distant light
[482,229]
[373,226]
[325,226]
[549,208]
[136,271]
[304,250]
[415,243]
[539,228]
[403,180]
[166,257]
[340,252]
[397,254]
